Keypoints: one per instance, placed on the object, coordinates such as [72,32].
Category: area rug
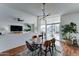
[56,52]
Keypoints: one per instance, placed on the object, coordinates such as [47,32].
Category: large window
[53,30]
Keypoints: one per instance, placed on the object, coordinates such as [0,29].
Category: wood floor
[13,52]
[68,50]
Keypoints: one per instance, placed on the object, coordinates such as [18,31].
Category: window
[52,30]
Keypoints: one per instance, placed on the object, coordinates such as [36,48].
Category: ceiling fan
[19,19]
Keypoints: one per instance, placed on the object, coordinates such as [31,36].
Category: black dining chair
[32,47]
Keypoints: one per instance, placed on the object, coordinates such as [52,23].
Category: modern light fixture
[44,20]
[41,20]
[43,11]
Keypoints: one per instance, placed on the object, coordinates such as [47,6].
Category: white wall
[72,17]
[7,18]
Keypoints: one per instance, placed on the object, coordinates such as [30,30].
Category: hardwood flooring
[13,52]
[68,50]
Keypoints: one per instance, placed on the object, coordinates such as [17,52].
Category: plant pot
[68,42]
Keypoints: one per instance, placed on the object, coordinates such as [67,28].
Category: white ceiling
[29,11]
[51,8]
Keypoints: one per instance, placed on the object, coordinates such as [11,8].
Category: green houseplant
[27,29]
[68,29]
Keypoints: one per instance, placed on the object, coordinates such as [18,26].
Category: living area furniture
[53,40]
[47,45]
[32,47]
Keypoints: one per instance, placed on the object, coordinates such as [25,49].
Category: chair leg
[46,51]
[55,47]
[38,52]
[50,51]
[33,53]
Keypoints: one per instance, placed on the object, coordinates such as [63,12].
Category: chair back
[47,43]
[53,40]
[34,36]
[29,46]
[40,35]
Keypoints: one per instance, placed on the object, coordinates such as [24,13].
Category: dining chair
[53,40]
[32,48]
[47,45]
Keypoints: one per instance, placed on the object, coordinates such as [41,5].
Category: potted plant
[27,29]
[67,31]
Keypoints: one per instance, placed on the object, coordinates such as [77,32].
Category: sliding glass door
[53,30]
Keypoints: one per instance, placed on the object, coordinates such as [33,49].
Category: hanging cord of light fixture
[44,15]
[43,10]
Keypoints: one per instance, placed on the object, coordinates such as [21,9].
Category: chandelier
[43,11]
[44,21]
[41,20]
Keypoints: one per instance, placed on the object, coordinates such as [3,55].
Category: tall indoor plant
[68,29]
